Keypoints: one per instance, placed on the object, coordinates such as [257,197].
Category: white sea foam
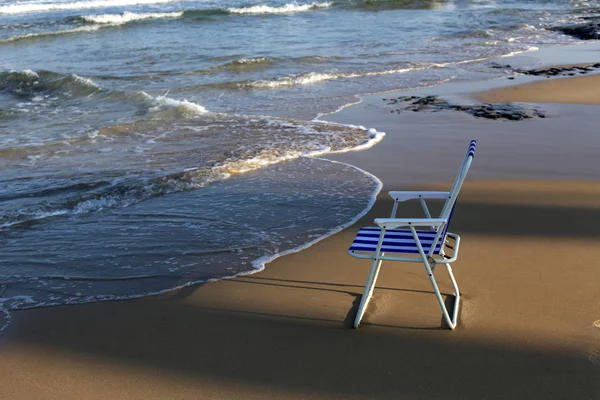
[30,73]
[90,28]
[100,204]
[15,301]
[36,216]
[251,164]
[186,105]
[314,77]
[442,65]
[164,101]
[86,81]
[269,158]
[21,8]
[529,28]
[288,8]
[4,318]
[251,60]
[106,20]
[514,53]
[120,19]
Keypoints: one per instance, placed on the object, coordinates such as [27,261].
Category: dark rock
[558,71]
[506,111]
[587,31]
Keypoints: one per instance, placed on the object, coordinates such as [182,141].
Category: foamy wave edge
[314,77]
[261,263]
[288,8]
[123,18]
[80,29]
[258,264]
[164,101]
[41,7]
[98,21]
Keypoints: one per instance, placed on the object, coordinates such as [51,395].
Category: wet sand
[527,272]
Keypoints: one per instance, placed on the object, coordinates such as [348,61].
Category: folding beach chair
[395,239]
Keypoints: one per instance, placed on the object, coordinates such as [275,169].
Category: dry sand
[528,274]
[577,90]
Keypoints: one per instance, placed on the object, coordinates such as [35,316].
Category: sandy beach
[529,324]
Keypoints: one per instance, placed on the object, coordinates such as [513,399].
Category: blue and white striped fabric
[395,241]
[472,147]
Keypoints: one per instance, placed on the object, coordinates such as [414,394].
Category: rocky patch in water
[590,30]
[505,111]
[548,72]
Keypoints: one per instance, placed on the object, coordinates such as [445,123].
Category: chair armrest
[393,223]
[404,196]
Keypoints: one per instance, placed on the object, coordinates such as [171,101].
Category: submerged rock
[588,31]
[505,111]
[553,71]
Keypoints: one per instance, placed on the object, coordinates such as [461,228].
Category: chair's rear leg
[456,294]
[368,291]
[451,323]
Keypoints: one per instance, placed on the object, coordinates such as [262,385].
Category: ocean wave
[95,22]
[263,141]
[315,77]
[29,83]
[36,35]
[21,8]
[514,53]
[382,5]
[238,65]
[250,61]
[288,8]
[120,19]
[76,296]
[29,218]
[186,107]
[275,155]
[244,64]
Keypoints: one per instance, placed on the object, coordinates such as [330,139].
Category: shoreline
[284,332]
[579,53]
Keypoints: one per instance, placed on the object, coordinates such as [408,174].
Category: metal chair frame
[429,258]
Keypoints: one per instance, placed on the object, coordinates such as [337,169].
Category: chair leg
[429,267]
[438,295]
[368,291]
[456,294]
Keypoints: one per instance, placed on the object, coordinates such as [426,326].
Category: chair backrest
[458,182]
[448,208]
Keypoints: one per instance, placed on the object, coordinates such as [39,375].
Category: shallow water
[149,144]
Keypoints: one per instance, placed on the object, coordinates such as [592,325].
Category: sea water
[151,144]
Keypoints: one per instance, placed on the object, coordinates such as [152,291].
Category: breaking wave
[120,19]
[249,63]
[21,8]
[315,77]
[252,142]
[96,22]
[186,107]
[29,83]
[288,8]
[36,35]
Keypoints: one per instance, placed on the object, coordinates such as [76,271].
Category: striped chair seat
[394,241]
